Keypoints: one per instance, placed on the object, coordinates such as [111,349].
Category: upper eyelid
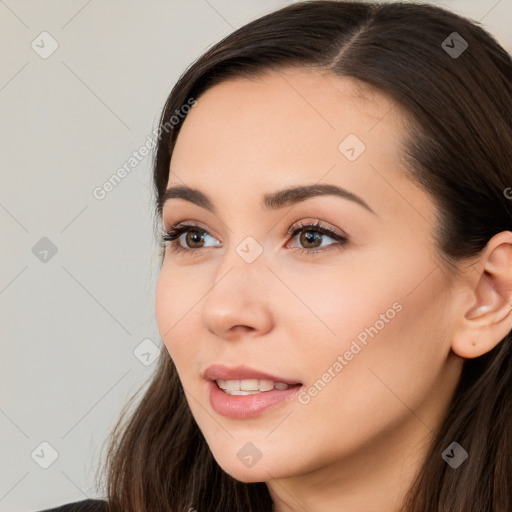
[315,225]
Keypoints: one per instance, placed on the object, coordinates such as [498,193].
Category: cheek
[336,306]
[165,302]
[388,318]
[174,303]
[388,350]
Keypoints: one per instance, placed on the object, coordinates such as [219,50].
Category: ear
[486,314]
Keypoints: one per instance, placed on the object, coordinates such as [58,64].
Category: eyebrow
[272,201]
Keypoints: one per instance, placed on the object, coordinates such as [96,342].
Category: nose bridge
[239,294]
[243,266]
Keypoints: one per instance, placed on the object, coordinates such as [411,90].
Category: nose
[238,303]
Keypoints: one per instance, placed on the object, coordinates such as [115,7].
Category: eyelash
[170,237]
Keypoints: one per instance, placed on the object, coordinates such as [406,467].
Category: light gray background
[70,325]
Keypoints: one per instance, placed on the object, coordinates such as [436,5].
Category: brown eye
[310,239]
[194,237]
[186,238]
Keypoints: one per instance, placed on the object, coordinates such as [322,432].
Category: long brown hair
[459,150]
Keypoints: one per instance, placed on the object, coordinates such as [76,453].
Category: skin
[358,443]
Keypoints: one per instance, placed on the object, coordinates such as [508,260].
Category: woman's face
[363,325]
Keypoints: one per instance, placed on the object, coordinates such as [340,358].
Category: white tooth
[249,384]
[239,392]
[265,385]
[233,385]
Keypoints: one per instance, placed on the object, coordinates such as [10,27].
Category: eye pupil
[310,237]
[194,237]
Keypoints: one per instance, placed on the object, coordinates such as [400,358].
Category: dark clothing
[80,506]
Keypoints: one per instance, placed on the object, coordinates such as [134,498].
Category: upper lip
[241,372]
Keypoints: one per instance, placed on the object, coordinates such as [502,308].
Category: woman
[332,184]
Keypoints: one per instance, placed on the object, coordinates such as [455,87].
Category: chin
[249,477]
[259,472]
[252,475]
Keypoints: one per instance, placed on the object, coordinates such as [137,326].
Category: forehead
[247,136]
[286,114]
[317,95]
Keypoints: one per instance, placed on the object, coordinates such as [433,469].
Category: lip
[245,406]
[242,372]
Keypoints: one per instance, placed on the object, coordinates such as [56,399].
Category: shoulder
[80,506]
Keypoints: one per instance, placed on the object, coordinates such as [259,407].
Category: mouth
[252,386]
[242,392]
[244,378]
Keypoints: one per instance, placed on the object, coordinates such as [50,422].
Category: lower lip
[247,406]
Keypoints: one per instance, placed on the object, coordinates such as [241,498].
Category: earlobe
[488,319]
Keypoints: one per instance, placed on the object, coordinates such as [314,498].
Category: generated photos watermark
[101,191]
[305,396]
